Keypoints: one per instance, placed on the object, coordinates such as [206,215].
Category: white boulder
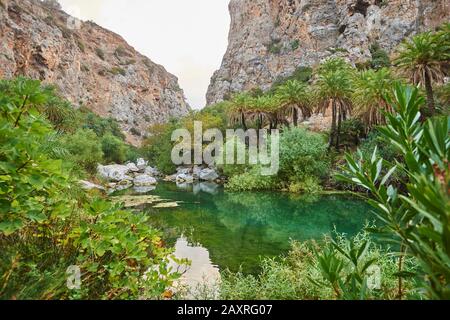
[132,167]
[113,172]
[153,172]
[141,164]
[144,180]
[185,178]
[208,175]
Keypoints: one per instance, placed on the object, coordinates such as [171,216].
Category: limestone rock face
[270,39]
[91,66]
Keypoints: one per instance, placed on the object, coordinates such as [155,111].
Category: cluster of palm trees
[347,92]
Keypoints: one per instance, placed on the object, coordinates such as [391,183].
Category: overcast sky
[187,37]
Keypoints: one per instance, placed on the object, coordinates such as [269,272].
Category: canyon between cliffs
[268,41]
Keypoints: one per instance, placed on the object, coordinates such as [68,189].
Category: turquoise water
[237,229]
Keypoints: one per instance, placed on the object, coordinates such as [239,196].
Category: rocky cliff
[91,66]
[270,39]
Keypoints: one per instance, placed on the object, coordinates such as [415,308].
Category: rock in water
[144,181]
[187,178]
[208,175]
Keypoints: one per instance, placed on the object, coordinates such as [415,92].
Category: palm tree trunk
[244,125]
[295,116]
[430,96]
[333,124]
[338,134]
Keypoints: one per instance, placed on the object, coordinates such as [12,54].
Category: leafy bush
[251,181]
[303,154]
[48,224]
[380,58]
[157,148]
[352,130]
[100,53]
[118,70]
[304,272]
[295,44]
[85,149]
[114,149]
[425,148]
[101,126]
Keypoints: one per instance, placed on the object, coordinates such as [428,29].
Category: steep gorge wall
[270,39]
[90,65]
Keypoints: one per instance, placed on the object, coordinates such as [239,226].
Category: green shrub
[295,44]
[300,274]
[380,58]
[100,53]
[47,223]
[275,47]
[157,148]
[303,154]
[251,181]
[136,132]
[85,148]
[308,185]
[114,149]
[118,70]
[351,132]
[101,126]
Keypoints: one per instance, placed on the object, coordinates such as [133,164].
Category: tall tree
[239,109]
[371,87]
[294,97]
[421,59]
[334,90]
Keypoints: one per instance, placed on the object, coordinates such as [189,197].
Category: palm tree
[371,87]
[239,109]
[265,109]
[294,97]
[421,60]
[334,89]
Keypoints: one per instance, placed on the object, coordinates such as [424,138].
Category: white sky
[187,37]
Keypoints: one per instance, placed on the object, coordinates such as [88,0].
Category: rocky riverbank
[143,178]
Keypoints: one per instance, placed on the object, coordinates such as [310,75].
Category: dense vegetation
[402,170]
[401,167]
[48,224]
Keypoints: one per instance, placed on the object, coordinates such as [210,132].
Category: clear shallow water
[237,229]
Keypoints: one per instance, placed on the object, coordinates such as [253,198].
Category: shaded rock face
[270,39]
[90,65]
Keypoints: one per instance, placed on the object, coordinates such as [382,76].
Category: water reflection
[201,275]
[234,230]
